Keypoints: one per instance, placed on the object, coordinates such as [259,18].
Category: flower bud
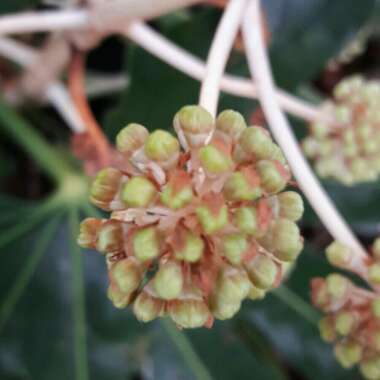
[239,188]
[222,310]
[147,307]
[232,285]
[104,189]
[145,244]
[189,311]
[162,147]
[327,329]
[88,232]
[256,293]
[272,176]
[211,221]
[119,299]
[131,138]
[213,160]
[126,274]
[246,220]
[338,254]
[138,192]
[254,142]
[192,249]
[291,205]
[348,353]
[370,368]
[320,130]
[231,124]
[346,87]
[110,237]
[234,246]
[310,146]
[343,114]
[337,286]
[262,272]
[195,123]
[374,273]
[168,281]
[375,307]
[376,248]
[345,322]
[284,239]
[176,199]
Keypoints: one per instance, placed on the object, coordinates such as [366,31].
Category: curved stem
[191,65]
[219,53]
[260,70]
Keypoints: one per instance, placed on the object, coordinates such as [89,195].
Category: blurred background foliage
[55,319]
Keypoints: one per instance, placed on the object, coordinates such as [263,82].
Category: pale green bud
[126,274]
[348,136]
[291,205]
[138,192]
[320,129]
[327,329]
[119,299]
[370,147]
[231,124]
[145,244]
[376,248]
[245,219]
[213,160]
[272,180]
[88,232]
[105,188]
[346,88]
[131,138]
[146,307]
[176,200]
[364,131]
[262,272]
[168,281]
[337,286]
[195,123]
[192,249]
[345,322]
[234,247]
[310,146]
[110,237]
[375,307]
[343,114]
[222,310]
[212,222]
[370,368]
[238,188]
[338,254]
[374,273]
[256,293]
[278,155]
[162,147]
[348,353]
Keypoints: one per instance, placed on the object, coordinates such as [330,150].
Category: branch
[177,57]
[219,52]
[260,70]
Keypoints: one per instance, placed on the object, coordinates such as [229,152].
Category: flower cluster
[352,320]
[194,231]
[349,150]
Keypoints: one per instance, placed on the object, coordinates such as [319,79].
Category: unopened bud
[110,238]
[88,232]
[178,199]
[338,254]
[262,272]
[337,286]
[374,273]
[105,188]
[345,322]
[126,274]
[146,307]
[239,188]
[343,114]
[213,160]
[256,293]
[320,129]
[231,124]
[222,310]
[370,368]
[145,244]
[234,246]
[327,329]
[212,221]
[162,147]
[376,248]
[246,220]
[291,205]
[192,249]
[119,299]
[310,146]
[131,138]
[348,353]
[138,192]
[168,281]
[375,307]
[272,177]
[195,123]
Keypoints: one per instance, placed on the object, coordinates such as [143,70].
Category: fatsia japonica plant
[222,251]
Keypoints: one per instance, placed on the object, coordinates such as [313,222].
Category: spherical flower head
[346,149]
[198,224]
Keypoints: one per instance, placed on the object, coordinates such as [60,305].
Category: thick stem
[319,200]
[219,53]
[179,58]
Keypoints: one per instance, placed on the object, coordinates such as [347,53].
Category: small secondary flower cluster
[352,322]
[194,232]
[348,151]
